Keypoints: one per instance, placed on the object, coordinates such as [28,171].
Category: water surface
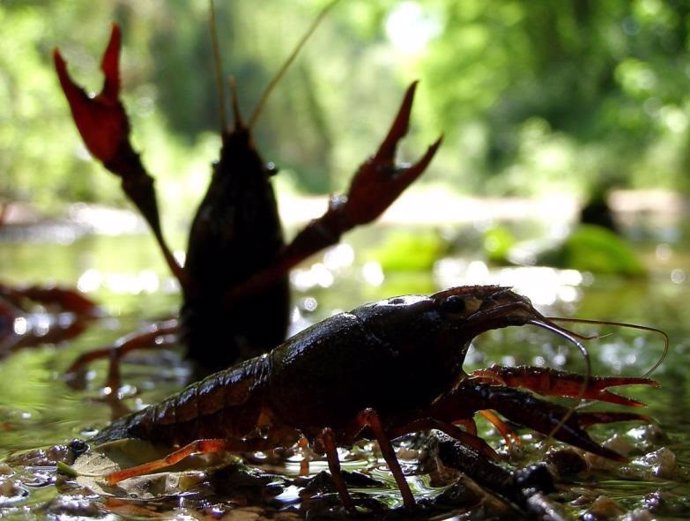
[126,275]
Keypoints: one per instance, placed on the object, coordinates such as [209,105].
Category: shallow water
[124,273]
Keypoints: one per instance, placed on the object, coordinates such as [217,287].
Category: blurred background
[569,97]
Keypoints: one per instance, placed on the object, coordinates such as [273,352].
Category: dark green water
[125,274]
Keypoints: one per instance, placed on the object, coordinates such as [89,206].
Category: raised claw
[552,382]
[379,182]
[104,126]
[101,120]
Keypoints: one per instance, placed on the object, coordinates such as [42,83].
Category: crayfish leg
[468,436]
[508,434]
[328,442]
[157,336]
[553,382]
[366,419]
[303,444]
[369,418]
[206,446]
[586,419]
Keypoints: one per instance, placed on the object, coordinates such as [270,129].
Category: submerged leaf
[404,251]
[596,249]
[92,467]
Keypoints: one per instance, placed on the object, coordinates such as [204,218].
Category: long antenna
[217,65]
[622,324]
[281,72]
[571,337]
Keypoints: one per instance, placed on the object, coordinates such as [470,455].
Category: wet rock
[603,507]
[75,507]
[620,444]
[639,514]
[11,491]
[566,462]
[666,503]
[661,463]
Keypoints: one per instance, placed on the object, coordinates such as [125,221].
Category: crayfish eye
[454,305]
[460,305]
[271,169]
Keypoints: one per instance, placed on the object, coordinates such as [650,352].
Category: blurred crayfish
[234,281]
[35,314]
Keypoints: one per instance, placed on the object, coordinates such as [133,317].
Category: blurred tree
[606,81]
[532,95]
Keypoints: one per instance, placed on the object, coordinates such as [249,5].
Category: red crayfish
[380,371]
[36,314]
[31,315]
[234,280]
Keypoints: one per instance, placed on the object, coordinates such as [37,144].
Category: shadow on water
[125,274]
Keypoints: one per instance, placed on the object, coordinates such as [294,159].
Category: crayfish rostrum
[380,371]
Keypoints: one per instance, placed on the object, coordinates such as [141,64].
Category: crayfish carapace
[380,371]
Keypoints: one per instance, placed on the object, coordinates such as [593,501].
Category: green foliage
[601,80]
[406,251]
[531,96]
[497,242]
[595,249]
[587,248]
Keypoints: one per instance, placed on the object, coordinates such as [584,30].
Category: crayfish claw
[101,120]
[399,127]
[551,382]
[104,127]
[375,186]
[379,182]
[587,419]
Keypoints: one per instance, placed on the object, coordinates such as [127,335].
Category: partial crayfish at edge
[34,314]
[379,372]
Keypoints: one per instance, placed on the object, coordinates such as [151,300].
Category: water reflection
[38,409]
[542,285]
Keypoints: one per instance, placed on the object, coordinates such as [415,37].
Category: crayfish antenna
[291,58]
[571,337]
[217,65]
[639,327]
[548,324]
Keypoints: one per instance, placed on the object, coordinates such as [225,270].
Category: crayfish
[380,371]
[30,315]
[36,314]
[234,281]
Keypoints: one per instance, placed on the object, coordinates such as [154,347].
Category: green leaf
[409,251]
[595,249]
[497,243]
